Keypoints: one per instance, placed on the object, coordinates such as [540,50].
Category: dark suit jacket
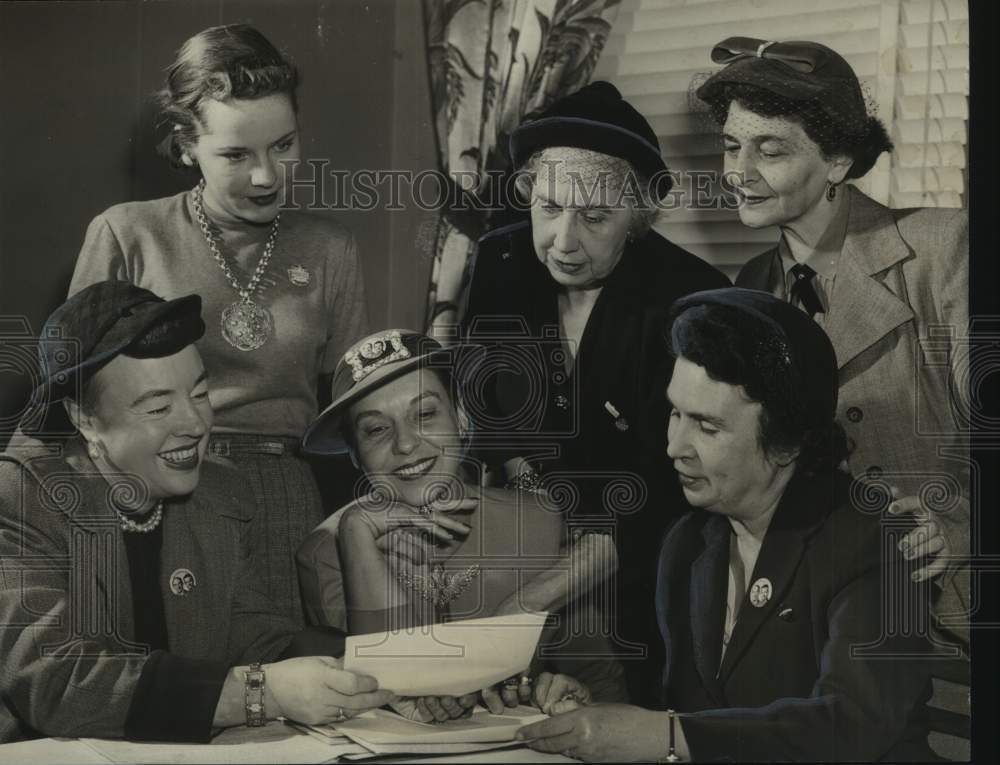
[898,321]
[70,664]
[620,477]
[817,673]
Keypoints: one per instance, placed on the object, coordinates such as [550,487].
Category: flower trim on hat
[375,353]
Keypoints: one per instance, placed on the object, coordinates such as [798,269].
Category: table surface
[274,743]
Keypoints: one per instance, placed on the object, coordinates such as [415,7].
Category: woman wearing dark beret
[773,593]
[282,289]
[129,575]
[890,287]
[570,305]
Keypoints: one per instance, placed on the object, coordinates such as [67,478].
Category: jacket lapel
[615,315]
[198,538]
[97,547]
[797,516]
[708,602]
[866,308]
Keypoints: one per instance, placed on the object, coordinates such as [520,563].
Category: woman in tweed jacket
[129,588]
[889,287]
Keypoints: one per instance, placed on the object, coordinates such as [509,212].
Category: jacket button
[855,415]
[874,472]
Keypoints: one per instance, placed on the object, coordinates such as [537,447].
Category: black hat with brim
[597,118]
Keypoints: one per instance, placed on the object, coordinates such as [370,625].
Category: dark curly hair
[232,61]
[739,349]
[835,134]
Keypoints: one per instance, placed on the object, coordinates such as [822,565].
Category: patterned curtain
[493,62]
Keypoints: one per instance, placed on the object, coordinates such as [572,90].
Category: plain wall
[77,133]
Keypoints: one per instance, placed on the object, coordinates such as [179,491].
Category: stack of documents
[449,659]
[382,732]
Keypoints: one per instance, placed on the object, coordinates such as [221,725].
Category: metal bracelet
[253,695]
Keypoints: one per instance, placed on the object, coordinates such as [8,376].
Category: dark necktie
[803,290]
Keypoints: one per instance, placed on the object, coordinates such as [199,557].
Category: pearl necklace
[146,526]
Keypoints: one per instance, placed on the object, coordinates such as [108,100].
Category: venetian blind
[920,91]
[931,114]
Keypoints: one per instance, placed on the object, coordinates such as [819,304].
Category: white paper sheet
[383,731]
[50,751]
[447,659]
[505,756]
[473,751]
[274,743]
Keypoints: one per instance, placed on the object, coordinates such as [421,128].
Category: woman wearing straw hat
[426,542]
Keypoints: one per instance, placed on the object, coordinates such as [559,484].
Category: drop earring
[831,191]
[93,450]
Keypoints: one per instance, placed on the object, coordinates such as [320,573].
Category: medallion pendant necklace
[246,325]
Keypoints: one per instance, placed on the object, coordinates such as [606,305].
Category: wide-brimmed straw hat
[367,365]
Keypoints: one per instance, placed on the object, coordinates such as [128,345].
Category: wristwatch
[671,755]
[253,695]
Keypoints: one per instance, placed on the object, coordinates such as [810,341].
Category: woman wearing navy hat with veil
[890,287]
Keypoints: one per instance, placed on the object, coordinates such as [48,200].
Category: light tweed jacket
[898,320]
[69,664]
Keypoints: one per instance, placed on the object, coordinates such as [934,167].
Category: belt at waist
[225,444]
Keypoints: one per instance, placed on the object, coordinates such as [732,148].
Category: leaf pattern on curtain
[491,64]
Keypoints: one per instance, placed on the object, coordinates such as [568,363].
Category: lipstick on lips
[752,199]
[264,200]
[688,480]
[567,268]
[414,470]
[185,458]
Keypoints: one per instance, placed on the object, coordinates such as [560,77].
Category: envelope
[449,659]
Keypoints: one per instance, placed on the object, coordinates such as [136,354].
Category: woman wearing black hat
[890,287]
[282,289]
[570,305]
[129,586]
[773,595]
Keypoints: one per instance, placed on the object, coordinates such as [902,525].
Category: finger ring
[511,683]
[340,716]
[526,680]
